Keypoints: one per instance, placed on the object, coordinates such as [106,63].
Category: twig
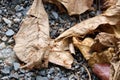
[87,71]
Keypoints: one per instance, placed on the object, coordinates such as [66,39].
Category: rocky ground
[11,14]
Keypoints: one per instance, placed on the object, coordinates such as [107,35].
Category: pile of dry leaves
[97,38]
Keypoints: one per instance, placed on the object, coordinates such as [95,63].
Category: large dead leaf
[33,44]
[73,6]
[32,40]
[111,16]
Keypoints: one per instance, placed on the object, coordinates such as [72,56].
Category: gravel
[12,12]
[7,21]
[10,32]
[16,66]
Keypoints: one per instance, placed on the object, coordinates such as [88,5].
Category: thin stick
[87,71]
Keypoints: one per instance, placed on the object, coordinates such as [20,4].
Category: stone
[0,11]
[19,15]
[55,14]
[6,70]
[5,78]
[51,71]
[2,45]
[1,61]
[10,32]
[42,72]
[14,75]
[11,40]
[7,21]
[41,78]
[19,8]
[22,71]
[4,38]
[56,78]
[16,66]
[64,78]
[16,20]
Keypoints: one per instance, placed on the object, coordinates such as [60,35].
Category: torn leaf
[60,53]
[33,44]
[32,39]
[115,64]
[111,16]
[84,46]
[73,6]
[102,71]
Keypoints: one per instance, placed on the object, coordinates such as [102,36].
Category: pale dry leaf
[73,6]
[84,46]
[58,4]
[32,39]
[111,17]
[62,58]
[60,53]
[71,48]
[33,44]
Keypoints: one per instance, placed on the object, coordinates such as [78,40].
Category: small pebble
[4,38]
[14,75]
[19,15]
[63,78]
[2,45]
[6,70]
[0,11]
[7,21]
[41,78]
[16,66]
[17,20]
[5,78]
[10,32]
[18,8]
[10,41]
[55,14]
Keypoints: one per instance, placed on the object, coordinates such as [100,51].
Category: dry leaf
[73,6]
[60,53]
[104,40]
[33,44]
[111,17]
[103,57]
[58,4]
[84,46]
[108,3]
[115,64]
[32,39]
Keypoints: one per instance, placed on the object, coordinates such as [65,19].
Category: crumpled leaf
[73,6]
[108,3]
[104,40]
[33,44]
[111,16]
[60,53]
[103,57]
[115,64]
[32,39]
[84,46]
